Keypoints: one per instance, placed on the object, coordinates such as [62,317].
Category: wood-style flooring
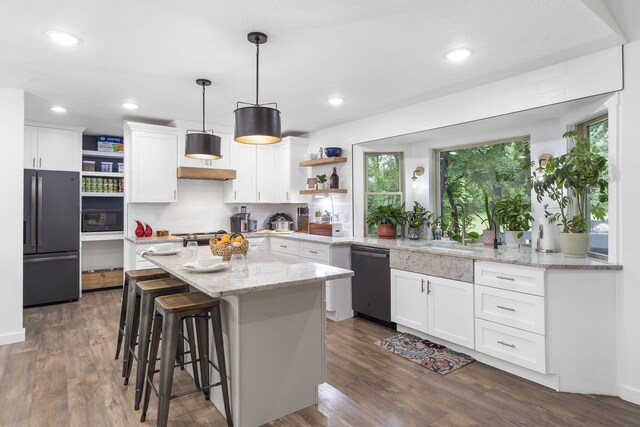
[65,374]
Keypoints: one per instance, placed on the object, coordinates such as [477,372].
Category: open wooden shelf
[324,161]
[206,174]
[325,191]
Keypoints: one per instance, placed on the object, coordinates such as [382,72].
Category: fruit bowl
[229,245]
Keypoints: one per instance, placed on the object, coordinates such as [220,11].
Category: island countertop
[263,272]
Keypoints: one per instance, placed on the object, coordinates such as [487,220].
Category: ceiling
[376,54]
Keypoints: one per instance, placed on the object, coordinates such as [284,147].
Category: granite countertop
[263,272]
[153,239]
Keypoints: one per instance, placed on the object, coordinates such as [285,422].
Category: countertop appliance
[371,284]
[279,217]
[242,222]
[51,237]
[303,219]
[96,220]
[201,238]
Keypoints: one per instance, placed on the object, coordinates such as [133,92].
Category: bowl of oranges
[224,244]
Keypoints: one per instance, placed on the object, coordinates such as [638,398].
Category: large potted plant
[568,180]
[388,219]
[417,219]
[514,214]
[489,221]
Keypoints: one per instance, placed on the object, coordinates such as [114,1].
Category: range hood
[206,174]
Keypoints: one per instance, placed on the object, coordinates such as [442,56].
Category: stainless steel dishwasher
[371,285]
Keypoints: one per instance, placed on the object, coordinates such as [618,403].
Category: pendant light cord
[203,86]
[257,71]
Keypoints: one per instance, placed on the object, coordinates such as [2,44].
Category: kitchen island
[273,317]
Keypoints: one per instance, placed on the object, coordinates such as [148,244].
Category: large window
[597,132]
[383,181]
[468,174]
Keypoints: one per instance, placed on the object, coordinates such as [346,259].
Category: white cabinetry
[150,163]
[52,148]
[439,307]
[266,173]
[242,158]
[290,177]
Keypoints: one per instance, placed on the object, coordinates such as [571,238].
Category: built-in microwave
[94,220]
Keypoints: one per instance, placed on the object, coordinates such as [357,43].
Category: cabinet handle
[258,195]
[505,278]
[313,252]
[428,287]
[287,197]
[506,308]
[34,162]
[234,195]
[40,162]
[506,344]
[175,194]
[283,246]
[422,285]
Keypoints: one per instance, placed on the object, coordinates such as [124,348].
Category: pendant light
[202,144]
[257,123]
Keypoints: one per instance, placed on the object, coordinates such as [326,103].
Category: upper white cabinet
[267,173]
[439,307]
[150,163]
[52,148]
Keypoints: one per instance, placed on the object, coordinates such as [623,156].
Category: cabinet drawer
[529,280]
[519,347]
[316,252]
[285,246]
[510,308]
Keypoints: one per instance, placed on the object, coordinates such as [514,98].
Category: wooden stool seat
[185,302]
[158,285]
[146,274]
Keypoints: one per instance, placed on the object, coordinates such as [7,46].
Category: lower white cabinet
[439,307]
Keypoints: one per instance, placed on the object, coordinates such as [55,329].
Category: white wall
[629,207]
[12,131]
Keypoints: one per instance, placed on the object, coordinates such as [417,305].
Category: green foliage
[387,214]
[322,178]
[514,213]
[418,216]
[581,172]
[383,173]
[489,219]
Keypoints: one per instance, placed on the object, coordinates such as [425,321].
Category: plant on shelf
[388,219]
[322,181]
[417,218]
[318,215]
[568,181]
[489,220]
[514,213]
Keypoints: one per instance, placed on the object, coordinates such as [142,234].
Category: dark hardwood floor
[65,374]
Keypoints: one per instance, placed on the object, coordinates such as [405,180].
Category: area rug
[433,356]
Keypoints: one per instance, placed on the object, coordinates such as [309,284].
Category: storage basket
[225,250]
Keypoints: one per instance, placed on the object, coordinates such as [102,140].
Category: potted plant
[417,218]
[388,218]
[489,233]
[322,181]
[318,216]
[513,212]
[576,173]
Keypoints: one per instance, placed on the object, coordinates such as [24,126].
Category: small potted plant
[318,216]
[388,219]
[322,181]
[514,213]
[577,172]
[489,233]
[417,218]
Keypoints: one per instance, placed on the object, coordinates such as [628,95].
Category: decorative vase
[334,179]
[414,233]
[574,245]
[386,231]
[488,236]
[511,238]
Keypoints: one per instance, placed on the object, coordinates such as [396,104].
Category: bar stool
[146,293]
[169,312]
[130,279]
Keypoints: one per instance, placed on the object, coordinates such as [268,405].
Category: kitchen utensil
[209,261]
[164,247]
[281,216]
[281,225]
[195,268]
[333,151]
[192,250]
[546,236]
[238,262]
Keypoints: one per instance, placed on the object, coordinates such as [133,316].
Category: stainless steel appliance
[95,220]
[51,237]
[303,219]
[280,217]
[201,238]
[546,236]
[242,222]
[371,284]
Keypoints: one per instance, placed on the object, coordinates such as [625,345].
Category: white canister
[546,235]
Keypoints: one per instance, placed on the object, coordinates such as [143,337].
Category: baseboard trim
[12,337]
[630,394]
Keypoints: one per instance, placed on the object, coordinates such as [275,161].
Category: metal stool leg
[170,333]
[203,351]
[153,355]
[146,318]
[192,350]
[222,365]
[123,315]
[180,353]
[131,335]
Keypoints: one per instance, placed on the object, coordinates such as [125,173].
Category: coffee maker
[242,222]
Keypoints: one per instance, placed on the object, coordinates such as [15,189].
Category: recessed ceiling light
[335,101]
[63,38]
[58,109]
[130,105]
[458,55]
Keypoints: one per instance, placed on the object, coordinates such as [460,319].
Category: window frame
[400,155]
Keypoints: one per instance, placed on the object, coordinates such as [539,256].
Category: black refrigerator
[51,236]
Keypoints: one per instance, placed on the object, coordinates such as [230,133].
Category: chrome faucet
[464,223]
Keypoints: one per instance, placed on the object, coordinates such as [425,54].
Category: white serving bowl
[162,247]
[209,261]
